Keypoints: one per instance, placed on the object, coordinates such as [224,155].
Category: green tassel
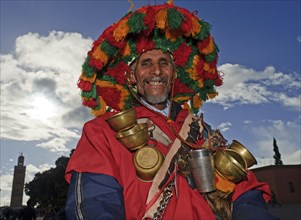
[174,18]
[164,44]
[184,78]
[88,70]
[108,49]
[90,94]
[211,57]
[205,30]
[136,23]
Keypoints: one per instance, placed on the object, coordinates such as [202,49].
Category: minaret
[18,183]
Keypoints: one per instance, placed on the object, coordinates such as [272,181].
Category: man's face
[154,75]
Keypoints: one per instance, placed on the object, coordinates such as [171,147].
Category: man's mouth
[155,81]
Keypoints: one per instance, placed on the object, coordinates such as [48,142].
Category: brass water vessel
[242,151]
[147,161]
[135,137]
[123,120]
[230,165]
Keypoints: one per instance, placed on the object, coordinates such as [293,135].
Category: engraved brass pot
[134,137]
[147,161]
[242,150]
[230,165]
[123,120]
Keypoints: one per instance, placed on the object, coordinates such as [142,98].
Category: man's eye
[164,62]
[145,64]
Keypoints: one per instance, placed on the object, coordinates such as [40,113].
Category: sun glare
[42,108]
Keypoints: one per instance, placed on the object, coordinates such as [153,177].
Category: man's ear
[132,78]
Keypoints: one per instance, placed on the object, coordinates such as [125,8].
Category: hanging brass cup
[135,137]
[147,161]
[230,165]
[123,120]
[242,151]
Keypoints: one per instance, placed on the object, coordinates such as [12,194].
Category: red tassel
[181,54]
[180,88]
[144,44]
[84,85]
[119,72]
[90,103]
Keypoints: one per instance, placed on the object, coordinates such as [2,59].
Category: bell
[242,151]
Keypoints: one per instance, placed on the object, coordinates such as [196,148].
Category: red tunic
[98,151]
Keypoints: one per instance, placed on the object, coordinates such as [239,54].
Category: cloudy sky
[44,43]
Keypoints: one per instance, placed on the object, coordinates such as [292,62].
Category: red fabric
[98,151]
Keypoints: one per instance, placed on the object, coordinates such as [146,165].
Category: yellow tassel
[186,106]
[223,184]
[201,83]
[208,69]
[197,102]
[172,35]
[126,51]
[212,95]
[209,48]
[123,94]
[102,109]
[121,30]
[104,84]
[181,98]
[170,2]
[161,18]
[87,79]
[195,28]
[98,54]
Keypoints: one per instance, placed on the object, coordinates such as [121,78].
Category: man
[153,60]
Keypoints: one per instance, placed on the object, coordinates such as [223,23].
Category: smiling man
[161,62]
[154,76]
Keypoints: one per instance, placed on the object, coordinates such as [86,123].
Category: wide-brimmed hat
[167,27]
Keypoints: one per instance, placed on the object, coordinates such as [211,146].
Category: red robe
[98,151]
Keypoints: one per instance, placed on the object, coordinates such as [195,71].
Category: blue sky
[43,44]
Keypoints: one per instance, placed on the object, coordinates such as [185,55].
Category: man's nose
[156,70]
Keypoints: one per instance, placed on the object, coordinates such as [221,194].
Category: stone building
[18,183]
[284,181]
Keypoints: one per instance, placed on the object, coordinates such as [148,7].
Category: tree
[49,187]
[277,155]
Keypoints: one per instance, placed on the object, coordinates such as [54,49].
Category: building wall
[284,180]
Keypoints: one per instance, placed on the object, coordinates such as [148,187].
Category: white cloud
[247,86]
[224,126]
[299,39]
[42,68]
[287,135]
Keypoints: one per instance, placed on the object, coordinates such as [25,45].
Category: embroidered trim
[79,197]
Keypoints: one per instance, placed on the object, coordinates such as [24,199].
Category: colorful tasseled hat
[166,27]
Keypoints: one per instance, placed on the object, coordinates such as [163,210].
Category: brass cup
[242,151]
[134,137]
[123,120]
[147,161]
[230,165]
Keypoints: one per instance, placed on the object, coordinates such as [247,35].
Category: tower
[18,183]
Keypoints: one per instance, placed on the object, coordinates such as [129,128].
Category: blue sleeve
[251,205]
[94,196]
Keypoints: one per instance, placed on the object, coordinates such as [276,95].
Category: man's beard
[155,99]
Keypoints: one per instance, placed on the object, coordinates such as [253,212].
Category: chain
[167,194]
